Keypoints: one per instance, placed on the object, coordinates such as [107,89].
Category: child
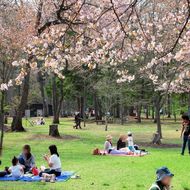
[130,142]
[163,182]
[16,169]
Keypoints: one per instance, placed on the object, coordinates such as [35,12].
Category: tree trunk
[57,100]
[53,131]
[147,111]
[96,106]
[82,105]
[139,107]
[78,104]
[17,121]
[156,139]
[153,114]
[41,83]
[158,120]
[2,121]
[131,109]
[106,123]
[169,106]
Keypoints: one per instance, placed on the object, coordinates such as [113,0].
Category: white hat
[129,133]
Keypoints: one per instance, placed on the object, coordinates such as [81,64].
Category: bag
[154,185]
[2,174]
[35,171]
[96,152]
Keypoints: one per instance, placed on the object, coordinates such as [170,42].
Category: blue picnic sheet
[66,175]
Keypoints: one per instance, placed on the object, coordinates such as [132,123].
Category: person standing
[185,133]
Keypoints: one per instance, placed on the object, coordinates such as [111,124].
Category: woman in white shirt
[53,162]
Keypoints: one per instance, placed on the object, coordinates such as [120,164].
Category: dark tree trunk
[41,83]
[147,111]
[156,139]
[169,106]
[118,114]
[139,107]
[131,111]
[82,105]
[153,114]
[57,100]
[106,123]
[78,104]
[96,106]
[17,121]
[53,131]
[158,120]
[2,121]
[122,113]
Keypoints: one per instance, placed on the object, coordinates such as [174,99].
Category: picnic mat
[64,177]
[126,155]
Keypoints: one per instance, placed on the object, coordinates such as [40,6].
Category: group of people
[25,164]
[125,145]
[40,121]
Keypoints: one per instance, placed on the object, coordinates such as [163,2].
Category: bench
[102,122]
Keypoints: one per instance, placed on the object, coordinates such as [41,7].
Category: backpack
[154,185]
[96,152]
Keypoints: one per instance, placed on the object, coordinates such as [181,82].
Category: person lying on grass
[16,169]
[54,163]
[26,159]
[163,181]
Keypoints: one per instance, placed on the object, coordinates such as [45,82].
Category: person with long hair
[54,163]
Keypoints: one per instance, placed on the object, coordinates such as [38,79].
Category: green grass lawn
[100,172]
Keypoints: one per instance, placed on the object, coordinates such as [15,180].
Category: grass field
[100,172]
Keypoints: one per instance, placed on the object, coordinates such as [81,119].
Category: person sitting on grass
[108,146]
[163,181]
[16,169]
[42,121]
[54,163]
[185,133]
[121,143]
[26,159]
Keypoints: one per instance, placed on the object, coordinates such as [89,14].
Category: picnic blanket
[66,175]
[126,155]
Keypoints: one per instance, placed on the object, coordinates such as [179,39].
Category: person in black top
[185,133]
[78,119]
[121,143]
